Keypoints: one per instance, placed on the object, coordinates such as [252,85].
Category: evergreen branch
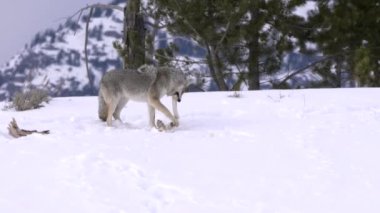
[193,42]
[224,35]
[307,67]
[178,60]
[240,75]
[330,57]
[187,22]
[158,26]
[297,26]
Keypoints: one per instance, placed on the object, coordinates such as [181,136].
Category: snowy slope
[268,151]
[55,57]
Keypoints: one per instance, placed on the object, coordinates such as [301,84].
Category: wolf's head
[179,84]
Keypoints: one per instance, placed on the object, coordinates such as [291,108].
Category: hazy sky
[20,20]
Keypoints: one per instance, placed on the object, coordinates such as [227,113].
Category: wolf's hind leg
[119,107]
[103,108]
[152,116]
[111,109]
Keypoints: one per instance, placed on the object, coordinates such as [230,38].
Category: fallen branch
[16,132]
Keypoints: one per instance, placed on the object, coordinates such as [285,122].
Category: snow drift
[268,151]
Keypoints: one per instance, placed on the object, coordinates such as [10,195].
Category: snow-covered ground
[268,151]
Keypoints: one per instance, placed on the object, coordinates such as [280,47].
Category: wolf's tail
[102,107]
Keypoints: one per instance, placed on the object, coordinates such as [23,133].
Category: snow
[61,73]
[267,151]
[304,9]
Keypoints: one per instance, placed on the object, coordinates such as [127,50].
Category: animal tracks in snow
[98,176]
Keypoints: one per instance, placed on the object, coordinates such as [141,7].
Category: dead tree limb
[97,5]
[85,45]
[79,14]
[16,132]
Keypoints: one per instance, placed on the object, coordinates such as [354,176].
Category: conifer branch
[289,76]
[224,35]
[179,60]
[187,22]
[158,26]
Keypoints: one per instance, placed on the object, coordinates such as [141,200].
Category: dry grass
[30,99]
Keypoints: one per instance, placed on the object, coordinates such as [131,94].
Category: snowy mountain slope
[268,151]
[57,56]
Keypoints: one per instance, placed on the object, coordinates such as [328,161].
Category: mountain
[55,58]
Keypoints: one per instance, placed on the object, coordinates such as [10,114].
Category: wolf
[147,84]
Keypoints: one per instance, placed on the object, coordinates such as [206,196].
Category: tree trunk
[254,51]
[134,35]
[377,75]
[214,67]
[339,70]
[253,64]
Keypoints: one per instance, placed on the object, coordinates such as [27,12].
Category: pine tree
[210,23]
[251,34]
[268,31]
[348,31]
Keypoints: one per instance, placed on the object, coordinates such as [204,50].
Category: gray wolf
[146,84]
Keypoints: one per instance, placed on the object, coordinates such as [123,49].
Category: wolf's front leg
[156,103]
[174,105]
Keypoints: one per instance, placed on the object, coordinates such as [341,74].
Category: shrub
[31,99]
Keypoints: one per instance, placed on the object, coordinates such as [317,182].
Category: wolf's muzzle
[178,97]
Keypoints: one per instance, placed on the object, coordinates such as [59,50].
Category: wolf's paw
[174,124]
[160,126]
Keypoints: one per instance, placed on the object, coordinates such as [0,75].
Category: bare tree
[132,50]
